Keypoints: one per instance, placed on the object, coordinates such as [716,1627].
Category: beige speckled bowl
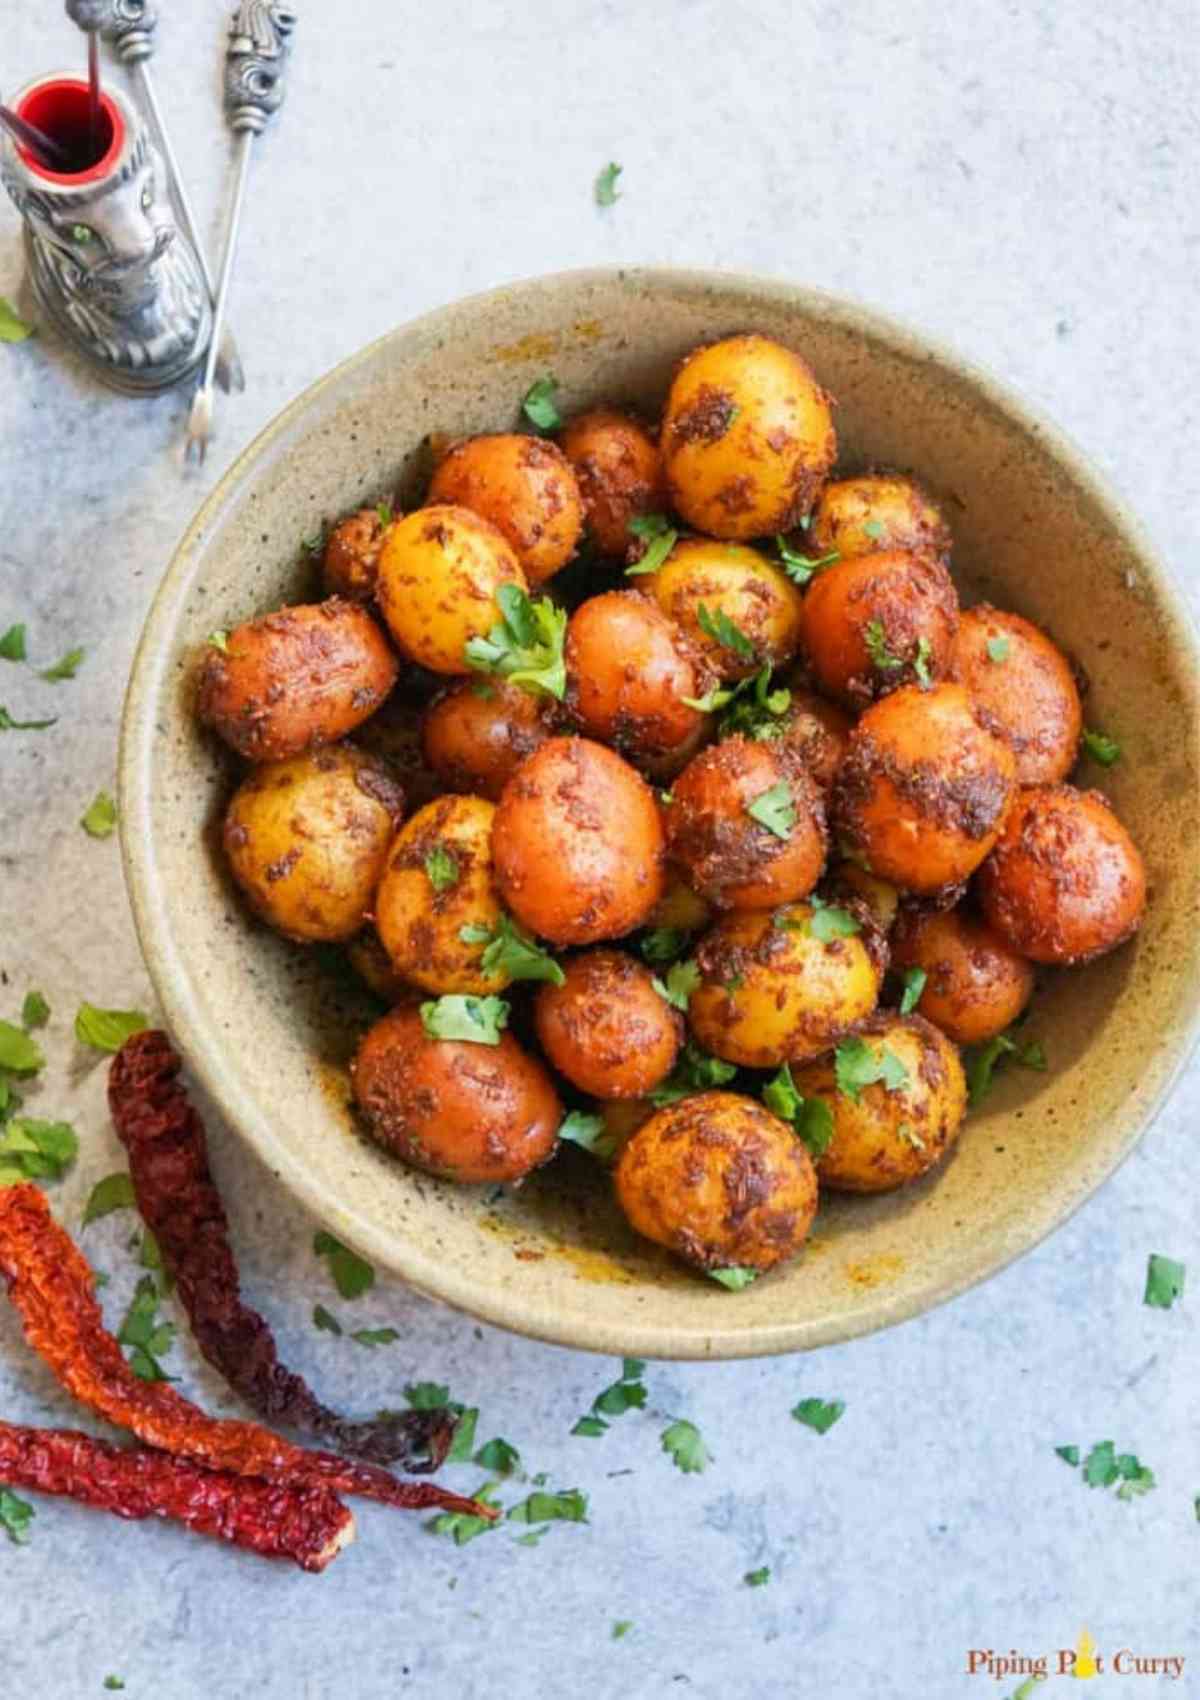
[265,1027]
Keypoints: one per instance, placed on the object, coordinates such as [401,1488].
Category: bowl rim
[205,1052]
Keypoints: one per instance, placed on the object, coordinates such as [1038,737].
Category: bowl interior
[268,1028]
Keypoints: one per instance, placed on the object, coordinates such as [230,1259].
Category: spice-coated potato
[772,992]
[619,474]
[439,880]
[877,622]
[439,571]
[470,1113]
[727,852]
[295,679]
[747,438]
[922,792]
[525,486]
[890,1137]
[631,675]
[578,844]
[606,1028]
[851,883]
[720,1181]
[1065,882]
[679,907]
[1026,684]
[477,733]
[816,733]
[976,985]
[350,558]
[740,583]
[307,839]
[881,510]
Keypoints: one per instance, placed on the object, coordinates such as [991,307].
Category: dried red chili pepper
[168,1163]
[50,1284]
[309,1525]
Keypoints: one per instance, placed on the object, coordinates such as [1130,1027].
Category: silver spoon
[259,41]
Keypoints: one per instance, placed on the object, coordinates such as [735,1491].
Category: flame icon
[1085,1661]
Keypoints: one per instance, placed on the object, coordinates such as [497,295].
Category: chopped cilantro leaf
[914,985]
[510,950]
[12,326]
[114,1192]
[107,1029]
[218,640]
[775,809]
[146,1336]
[352,1275]
[997,649]
[568,1506]
[831,922]
[100,816]
[19,1054]
[384,514]
[875,639]
[1164,1281]
[621,1628]
[441,868]
[8,724]
[819,1414]
[592,1427]
[754,710]
[463,1443]
[15,1517]
[874,530]
[980,1062]
[325,1320]
[921,662]
[627,1393]
[1069,1454]
[539,406]
[1101,748]
[526,647]
[857,1065]
[1104,1467]
[35,1011]
[757,1578]
[499,1456]
[716,624]
[113,1684]
[606,184]
[373,1337]
[590,1131]
[684,1446]
[681,981]
[664,944]
[427,1395]
[464,1526]
[734,1277]
[659,536]
[811,1118]
[695,1071]
[36,1150]
[800,568]
[12,644]
[66,667]
[477,1021]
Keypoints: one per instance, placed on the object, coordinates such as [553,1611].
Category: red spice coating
[630,674]
[620,476]
[1030,692]
[896,599]
[607,1028]
[477,733]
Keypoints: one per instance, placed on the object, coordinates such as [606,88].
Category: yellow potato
[679,907]
[438,881]
[307,839]
[742,584]
[772,992]
[881,510]
[747,438]
[439,571]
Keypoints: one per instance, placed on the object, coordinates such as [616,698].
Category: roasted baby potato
[976,985]
[815,732]
[702,584]
[877,622]
[525,487]
[616,463]
[880,510]
[771,991]
[720,1181]
[438,881]
[883,1135]
[477,733]
[439,571]
[747,438]
[746,826]
[578,844]
[350,558]
[1065,882]
[632,675]
[468,1112]
[922,792]
[296,679]
[606,1028]
[851,883]
[1026,684]
[307,839]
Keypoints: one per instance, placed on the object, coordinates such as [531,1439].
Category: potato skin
[607,1029]
[350,559]
[904,597]
[476,734]
[307,839]
[1066,882]
[720,1181]
[439,571]
[772,993]
[815,733]
[418,924]
[578,844]
[976,985]
[525,487]
[923,789]
[629,671]
[617,467]
[470,1113]
[1031,694]
[747,438]
[731,579]
[870,1150]
[853,885]
[725,854]
[679,906]
[900,514]
[295,679]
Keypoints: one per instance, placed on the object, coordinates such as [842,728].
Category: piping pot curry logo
[1080,1662]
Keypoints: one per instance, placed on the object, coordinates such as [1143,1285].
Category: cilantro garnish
[114,1192]
[695,1071]
[142,1331]
[66,667]
[590,1132]
[526,648]
[664,944]
[538,405]
[875,639]
[857,1065]
[107,1029]
[1164,1281]
[681,981]
[19,1054]
[441,869]
[874,530]
[621,1628]
[829,921]
[606,184]
[12,326]
[352,1275]
[384,514]
[1069,1454]
[800,568]
[100,816]
[921,662]
[914,985]
[218,640]
[35,1011]
[325,1320]
[477,1021]
[754,709]
[980,1062]
[568,1506]
[35,1150]
[463,1526]
[626,1393]
[775,809]
[15,1517]
[684,1446]
[716,624]
[997,649]
[757,1578]
[113,1684]
[811,1118]
[1104,1466]
[1101,747]
[8,724]
[736,1278]
[510,950]
[12,644]
[819,1414]
[427,1395]
[462,1445]
[499,1456]
[373,1337]
[659,536]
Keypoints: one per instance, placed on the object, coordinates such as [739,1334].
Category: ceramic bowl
[268,1028]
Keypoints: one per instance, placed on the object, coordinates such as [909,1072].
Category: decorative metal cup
[110,267]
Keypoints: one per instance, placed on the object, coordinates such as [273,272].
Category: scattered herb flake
[510,950]
[464,1526]
[681,981]
[114,1192]
[12,326]
[589,1130]
[1104,1467]
[1164,1281]
[695,1071]
[142,1331]
[775,809]
[874,530]
[113,1683]
[499,1456]
[533,1537]
[819,1414]
[684,1445]
[757,1578]
[997,649]
[441,868]
[591,1427]
[100,816]
[35,1011]
[621,1628]
[373,1337]
[753,709]
[384,514]
[31,1149]
[606,184]
[875,639]
[811,1118]
[857,1065]
[716,624]
[980,1062]
[914,985]
[463,1444]
[734,1277]
[476,1021]
[800,568]
[659,536]
[8,724]
[15,1517]
[107,1029]
[1101,748]
[19,1054]
[12,644]
[427,1395]
[66,667]
[627,1393]
[218,640]
[526,647]
[352,1275]
[1069,1454]
[569,1506]
[538,405]
[831,922]
[664,944]
[325,1320]
[921,662]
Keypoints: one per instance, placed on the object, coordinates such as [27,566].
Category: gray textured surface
[1024,185]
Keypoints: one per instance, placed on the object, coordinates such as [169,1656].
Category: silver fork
[259,41]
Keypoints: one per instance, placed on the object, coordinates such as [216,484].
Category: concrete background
[1020,179]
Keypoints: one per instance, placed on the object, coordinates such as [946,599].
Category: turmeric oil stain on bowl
[585,1261]
[536,345]
[875,1271]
